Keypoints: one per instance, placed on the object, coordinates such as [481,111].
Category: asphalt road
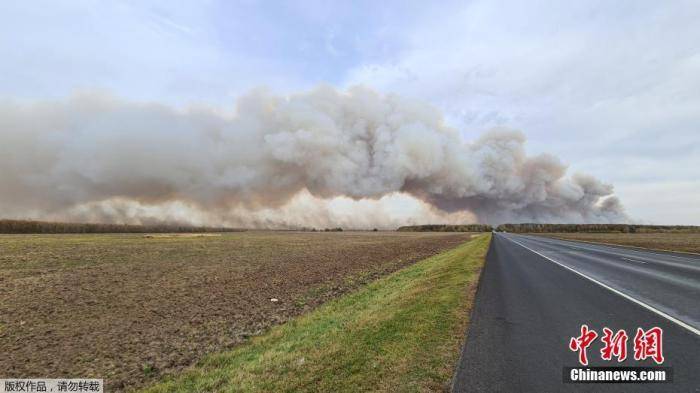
[536,292]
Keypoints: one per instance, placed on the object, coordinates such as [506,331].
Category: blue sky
[612,88]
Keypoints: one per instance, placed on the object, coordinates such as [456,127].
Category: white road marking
[693,257]
[628,297]
[606,250]
[633,260]
[666,255]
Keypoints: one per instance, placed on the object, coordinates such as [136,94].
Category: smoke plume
[325,157]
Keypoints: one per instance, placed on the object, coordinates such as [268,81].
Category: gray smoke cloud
[277,161]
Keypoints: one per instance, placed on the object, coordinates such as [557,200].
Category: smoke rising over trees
[98,157]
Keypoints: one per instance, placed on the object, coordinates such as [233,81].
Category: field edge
[403,331]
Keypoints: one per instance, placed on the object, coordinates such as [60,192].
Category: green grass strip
[400,333]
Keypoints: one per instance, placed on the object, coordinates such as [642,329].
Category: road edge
[615,245]
[465,340]
[648,307]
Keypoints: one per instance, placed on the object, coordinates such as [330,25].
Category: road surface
[536,292]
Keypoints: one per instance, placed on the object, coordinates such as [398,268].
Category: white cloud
[150,51]
[612,87]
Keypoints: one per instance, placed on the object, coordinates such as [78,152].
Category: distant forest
[554,228]
[599,228]
[446,228]
[24,226]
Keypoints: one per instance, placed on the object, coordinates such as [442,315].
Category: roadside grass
[399,333]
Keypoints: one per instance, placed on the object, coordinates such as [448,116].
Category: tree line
[38,227]
[553,228]
[26,226]
[446,228]
[593,228]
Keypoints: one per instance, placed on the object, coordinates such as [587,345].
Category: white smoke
[318,158]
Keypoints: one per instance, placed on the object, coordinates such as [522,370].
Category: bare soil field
[686,242]
[129,308]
